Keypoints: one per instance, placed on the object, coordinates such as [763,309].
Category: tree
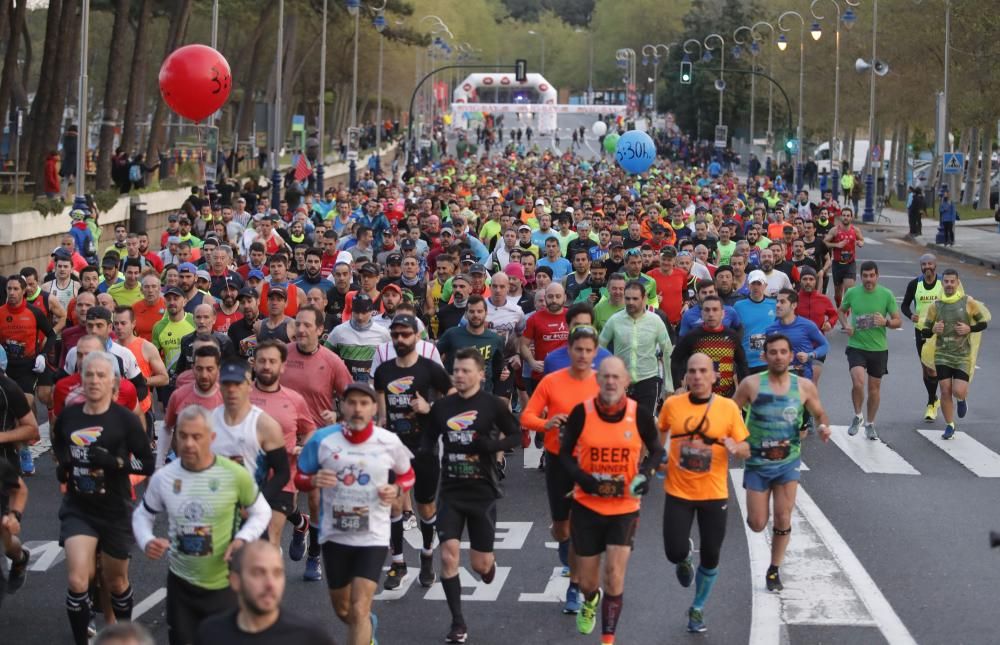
[112,94]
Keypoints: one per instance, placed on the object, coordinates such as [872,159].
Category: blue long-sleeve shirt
[948,212]
[806,337]
[692,319]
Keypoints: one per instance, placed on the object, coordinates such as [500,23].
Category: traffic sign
[352,155]
[721,136]
[954,162]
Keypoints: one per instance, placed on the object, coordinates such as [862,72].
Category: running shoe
[489,575]
[458,634]
[870,432]
[949,431]
[18,572]
[565,572]
[27,461]
[374,620]
[932,411]
[314,571]
[409,521]
[541,461]
[773,581]
[586,618]
[573,601]
[426,576]
[855,424]
[685,568]
[297,547]
[395,575]
[962,408]
[696,621]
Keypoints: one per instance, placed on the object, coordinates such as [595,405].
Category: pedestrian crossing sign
[954,162]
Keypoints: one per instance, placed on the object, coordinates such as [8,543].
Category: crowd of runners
[357,362]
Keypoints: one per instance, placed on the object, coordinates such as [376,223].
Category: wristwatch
[17,515]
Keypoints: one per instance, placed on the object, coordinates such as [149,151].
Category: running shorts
[843,272]
[875,363]
[114,534]
[480,515]
[343,563]
[593,532]
[945,373]
[427,470]
[762,478]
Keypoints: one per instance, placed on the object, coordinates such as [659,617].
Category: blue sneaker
[27,461]
[297,548]
[573,600]
[565,572]
[374,627]
[313,572]
[949,431]
[696,621]
[962,408]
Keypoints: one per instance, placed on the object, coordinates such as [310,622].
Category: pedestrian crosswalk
[871,456]
[979,459]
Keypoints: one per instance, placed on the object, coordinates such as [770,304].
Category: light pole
[354,8]
[721,85]
[737,52]
[848,19]
[687,54]
[541,37]
[80,200]
[770,86]
[627,59]
[379,27]
[209,183]
[869,215]
[321,114]
[942,142]
[276,153]
[654,51]
[782,44]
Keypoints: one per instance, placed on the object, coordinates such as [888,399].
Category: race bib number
[459,466]
[350,519]
[610,485]
[775,450]
[195,541]
[757,342]
[89,481]
[404,426]
[865,321]
[695,458]
[846,257]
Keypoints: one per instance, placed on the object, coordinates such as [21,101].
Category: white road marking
[872,241]
[480,590]
[532,455]
[148,603]
[825,584]
[44,443]
[45,554]
[871,456]
[976,457]
[509,536]
[399,591]
[555,589]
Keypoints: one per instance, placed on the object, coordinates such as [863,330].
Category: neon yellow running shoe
[586,618]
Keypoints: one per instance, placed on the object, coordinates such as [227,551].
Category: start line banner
[538,108]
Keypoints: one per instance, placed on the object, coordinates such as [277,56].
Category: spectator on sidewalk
[916,210]
[948,217]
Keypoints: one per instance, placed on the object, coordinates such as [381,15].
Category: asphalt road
[589,148]
[889,543]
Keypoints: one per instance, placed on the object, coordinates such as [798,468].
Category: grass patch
[968,213]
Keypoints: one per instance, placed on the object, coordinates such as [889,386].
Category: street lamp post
[869,215]
[848,18]
[721,85]
[782,44]
[770,86]
[626,58]
[737,52]
[276,153]
[354,8]
[654,51]
[80,200]
[942,142]
[209,183]
[379,27]
[321,115]
[541,37]
[687,54]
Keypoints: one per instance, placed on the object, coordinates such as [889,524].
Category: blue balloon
[635,152]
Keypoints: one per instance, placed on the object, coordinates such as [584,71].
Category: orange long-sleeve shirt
[557,393]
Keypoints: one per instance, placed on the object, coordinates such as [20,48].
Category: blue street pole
[354,8]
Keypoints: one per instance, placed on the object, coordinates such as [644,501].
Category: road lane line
[875,457]
[150,601]
[765,622]
[532,455]
[976,457]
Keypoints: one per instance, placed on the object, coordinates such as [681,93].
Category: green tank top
[774,422]
[951,349]
[925,297]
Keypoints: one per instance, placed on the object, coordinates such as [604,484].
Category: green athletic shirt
[863,305]
[167,336]
[774,421]
[203,510]
[603,310]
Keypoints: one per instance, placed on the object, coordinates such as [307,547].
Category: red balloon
[195,81]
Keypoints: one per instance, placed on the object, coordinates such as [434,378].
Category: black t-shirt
[459,421]
[102,491]
[13,406]
[243,337]
[399,384]
[817,250]
[336,302]
[289,628]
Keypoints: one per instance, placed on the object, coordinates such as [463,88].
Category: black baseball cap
[369,267]
[364,388]
[405,320]
[394,258]
[248,292]
[362,303]
[469,256]
[277,292]
[175,291]
[477,268]
[408,244]
[234,371]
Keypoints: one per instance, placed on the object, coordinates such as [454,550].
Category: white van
[822,155]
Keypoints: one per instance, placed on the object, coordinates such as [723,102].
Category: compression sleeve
[141,389]
[42,322]
[979,326]
[277,463]
[679,357]
[909,297]
[571,432]
[740,364]
[258,517]
[651,438]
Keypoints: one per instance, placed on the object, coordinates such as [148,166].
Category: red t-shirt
[188,394]
[318,377]
[289,409]
[671,289]
[548,332]
[224,320]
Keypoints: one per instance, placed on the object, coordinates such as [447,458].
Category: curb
[949,250]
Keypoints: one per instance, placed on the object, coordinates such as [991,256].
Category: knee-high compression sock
[396,537]
[78,610]
[296,519]
[121,604]
[704,580]
[453,594]
[427,532]
[314,549]
[930,384]
[563,550]
[611,609]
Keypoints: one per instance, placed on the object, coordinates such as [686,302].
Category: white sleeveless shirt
[239,442]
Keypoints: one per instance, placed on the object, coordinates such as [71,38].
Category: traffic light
[686,71]
[792,146]
[520,70]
